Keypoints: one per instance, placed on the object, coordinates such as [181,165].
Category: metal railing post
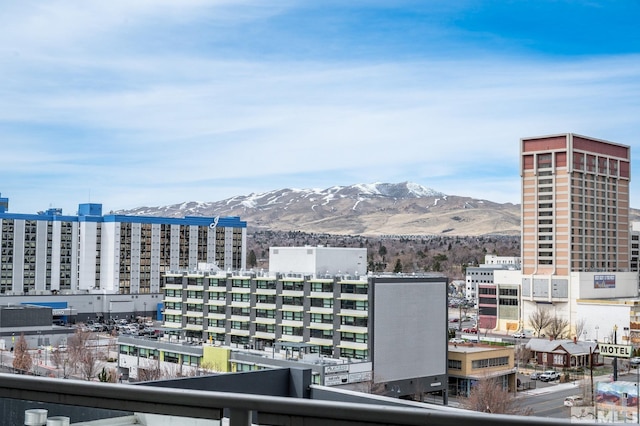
[239,417]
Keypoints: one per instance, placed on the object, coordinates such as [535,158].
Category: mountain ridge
[372,209]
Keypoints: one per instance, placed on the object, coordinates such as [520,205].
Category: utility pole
[593,397]
[615,358]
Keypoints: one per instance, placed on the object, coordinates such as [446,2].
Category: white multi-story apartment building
[396,322]
[50,252]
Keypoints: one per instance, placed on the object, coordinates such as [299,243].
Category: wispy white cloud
[85,113]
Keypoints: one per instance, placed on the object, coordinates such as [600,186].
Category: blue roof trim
[44,217]
[55,305]
[231,221]
[228,222]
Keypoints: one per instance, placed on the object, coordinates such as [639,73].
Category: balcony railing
[242,409]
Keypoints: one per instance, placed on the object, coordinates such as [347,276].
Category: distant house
[563,353]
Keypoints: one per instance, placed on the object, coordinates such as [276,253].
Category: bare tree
[488,396]
[557,327]
[57,357]
[83,354]
[523,355]
[580,326]
[21,358]
[540,319]
[153,372]
[77,345]
[89,363]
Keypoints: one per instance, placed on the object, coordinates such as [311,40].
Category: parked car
[470,330]
[456,340]
[635,360]
[535,375]
[549,376]
[519,335]
[573,401]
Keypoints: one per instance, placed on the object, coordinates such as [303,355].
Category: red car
[470,330]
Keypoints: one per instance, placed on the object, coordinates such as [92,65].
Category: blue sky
[156,102]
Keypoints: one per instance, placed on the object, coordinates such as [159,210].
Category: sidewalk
[550,389]
[558,387]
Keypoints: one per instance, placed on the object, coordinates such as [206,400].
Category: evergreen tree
[252,260]
[398,267]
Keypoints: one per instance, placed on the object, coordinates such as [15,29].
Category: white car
[456,340]
[573,401]
[549,376]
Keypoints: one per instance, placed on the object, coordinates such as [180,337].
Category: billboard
[410,328]
[604,281]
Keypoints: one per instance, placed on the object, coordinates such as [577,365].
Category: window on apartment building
[194,320]
[192,294]
[265,313]
[354,321]
[266,284]
[293,285]
[240,325]
[194,307]
[266,328]
[240,297]
[191,360]
[292,316]
[353,353]
[354,337]
[321,334]
[544,161]
[174,306]
[169,292]
[322,287]
[266,298]
[195,281]
[244,312]
[241,283]
[217,309]
[490,311]
[321,303]
[217,295]
[454,364]
[292,300]
[292,331]
[171,357]
[490,362]
[322,318]
[359,305]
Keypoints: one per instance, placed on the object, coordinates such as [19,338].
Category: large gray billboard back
[410,320]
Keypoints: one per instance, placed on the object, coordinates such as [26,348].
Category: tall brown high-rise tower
[575,205]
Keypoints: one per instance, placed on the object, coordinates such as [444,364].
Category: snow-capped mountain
[362,209]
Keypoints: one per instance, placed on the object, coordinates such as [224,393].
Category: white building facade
[49,252]
[318,261]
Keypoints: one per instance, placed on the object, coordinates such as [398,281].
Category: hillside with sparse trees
[449,255]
